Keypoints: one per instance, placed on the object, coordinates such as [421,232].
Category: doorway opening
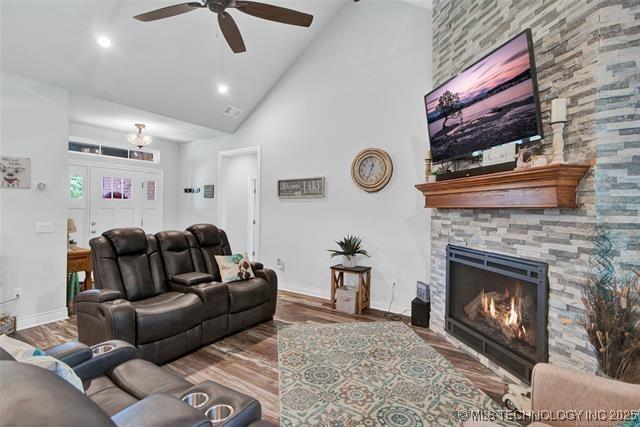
[239,199]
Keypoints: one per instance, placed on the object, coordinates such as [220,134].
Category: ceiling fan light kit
[227,24]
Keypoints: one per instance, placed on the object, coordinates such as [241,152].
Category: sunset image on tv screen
[491,103]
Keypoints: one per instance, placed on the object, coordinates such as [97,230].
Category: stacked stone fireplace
[497,305]
[580,55]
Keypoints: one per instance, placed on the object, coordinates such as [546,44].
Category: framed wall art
[15,172]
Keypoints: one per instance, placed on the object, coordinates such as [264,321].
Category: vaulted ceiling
[170,67]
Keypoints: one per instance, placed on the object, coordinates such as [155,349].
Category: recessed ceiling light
[104,41]
[223,89]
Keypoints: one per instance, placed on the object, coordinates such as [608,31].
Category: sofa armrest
[72,353]
[102,320]
[160,410]
[212,294]
[256,266]
[272,279]
[560,389]
[100,363]
[190,279]
[98,295]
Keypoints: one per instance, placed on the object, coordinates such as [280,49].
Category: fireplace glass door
[495,305]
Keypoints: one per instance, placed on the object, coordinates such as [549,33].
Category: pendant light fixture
[139,139]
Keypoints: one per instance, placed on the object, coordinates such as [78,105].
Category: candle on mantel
[559,110]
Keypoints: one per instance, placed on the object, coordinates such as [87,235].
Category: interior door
[115,200]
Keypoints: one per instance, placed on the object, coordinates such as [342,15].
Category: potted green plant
[432,175]
[73,245]
[350,248]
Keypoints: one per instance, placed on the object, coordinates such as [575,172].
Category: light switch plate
[44,227]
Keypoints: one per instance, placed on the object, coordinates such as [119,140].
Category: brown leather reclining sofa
[163,293]
[119,390]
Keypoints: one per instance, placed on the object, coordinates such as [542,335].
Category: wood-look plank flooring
[248,361]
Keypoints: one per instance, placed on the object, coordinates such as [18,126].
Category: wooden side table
[364,284]
[80,260]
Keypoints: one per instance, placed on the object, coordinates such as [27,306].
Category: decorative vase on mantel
[350,261]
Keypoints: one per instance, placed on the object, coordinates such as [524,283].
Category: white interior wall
[169,163]
[359,84]
[34,123]
[236,172]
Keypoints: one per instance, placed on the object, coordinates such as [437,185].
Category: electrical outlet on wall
[17,292]
[280,264]
[394,281]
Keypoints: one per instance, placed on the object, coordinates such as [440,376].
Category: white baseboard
[396,308]
[305,290]
[382,305]
[41,318]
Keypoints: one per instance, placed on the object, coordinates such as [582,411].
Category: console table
[80,260]
[364,284]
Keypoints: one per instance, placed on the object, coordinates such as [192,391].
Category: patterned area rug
[369,374]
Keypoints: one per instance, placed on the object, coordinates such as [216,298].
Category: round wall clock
[371,169]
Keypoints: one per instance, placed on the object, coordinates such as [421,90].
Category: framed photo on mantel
[301,188]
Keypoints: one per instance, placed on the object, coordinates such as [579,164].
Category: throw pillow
[234,267]
[27,353]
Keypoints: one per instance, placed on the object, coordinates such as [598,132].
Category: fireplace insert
[497,305]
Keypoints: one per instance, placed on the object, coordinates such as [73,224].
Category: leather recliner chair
[120,390]
[184,273]
[251,300]
[133,302]
[163,293]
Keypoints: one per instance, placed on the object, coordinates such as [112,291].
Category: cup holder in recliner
[219,413]
[196,400]
[102,349]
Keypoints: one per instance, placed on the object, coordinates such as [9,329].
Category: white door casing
[252,194]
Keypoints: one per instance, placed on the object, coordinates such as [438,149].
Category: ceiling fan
[227,24]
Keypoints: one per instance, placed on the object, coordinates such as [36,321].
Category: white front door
[124,198]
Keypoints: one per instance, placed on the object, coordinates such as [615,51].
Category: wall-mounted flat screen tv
[493,102]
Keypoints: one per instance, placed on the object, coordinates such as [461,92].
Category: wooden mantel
[551,186]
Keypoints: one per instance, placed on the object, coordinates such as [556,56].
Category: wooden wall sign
[301,188]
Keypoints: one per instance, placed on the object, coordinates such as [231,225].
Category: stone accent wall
[586,51]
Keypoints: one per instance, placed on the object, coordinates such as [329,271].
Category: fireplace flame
[512,319]
[504,312]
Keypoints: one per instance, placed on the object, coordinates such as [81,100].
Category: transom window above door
[122,153]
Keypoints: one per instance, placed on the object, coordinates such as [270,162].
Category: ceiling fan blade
[275,13]
[168,11]
[231,32]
